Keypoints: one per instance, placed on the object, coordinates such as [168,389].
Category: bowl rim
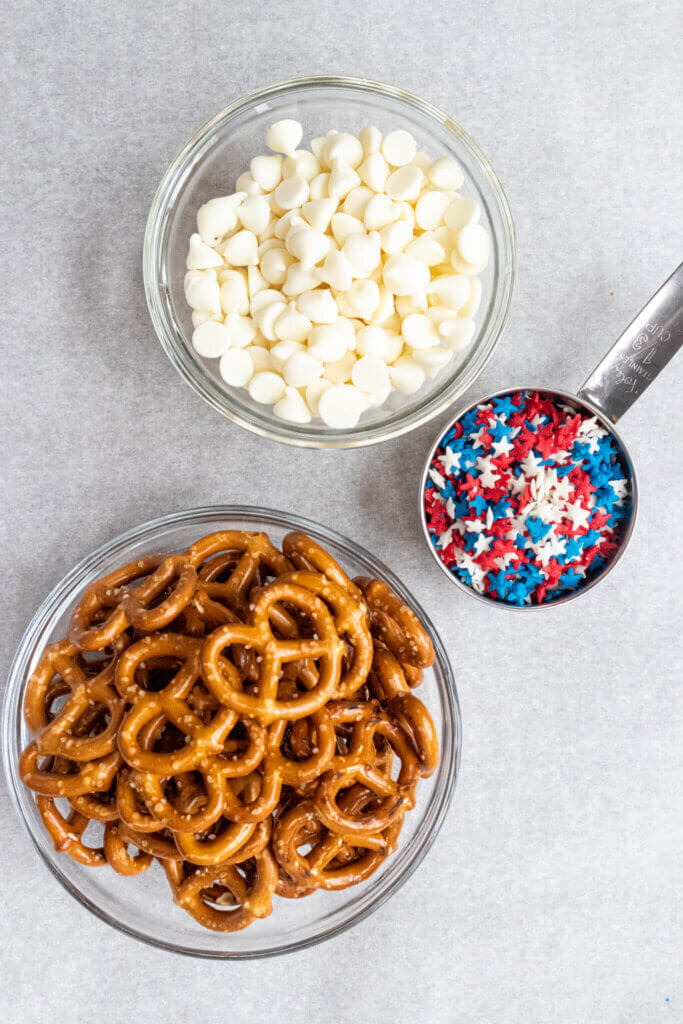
[172,339]
[69,584]
[461,410]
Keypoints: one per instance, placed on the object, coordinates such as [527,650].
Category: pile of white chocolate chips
[335,275]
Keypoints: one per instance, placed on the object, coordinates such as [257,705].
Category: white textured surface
[549,895]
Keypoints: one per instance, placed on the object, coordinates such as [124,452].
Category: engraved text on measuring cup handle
[642,351]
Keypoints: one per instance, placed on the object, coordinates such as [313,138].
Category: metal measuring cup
[619,379]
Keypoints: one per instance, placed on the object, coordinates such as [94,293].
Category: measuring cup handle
[642,351]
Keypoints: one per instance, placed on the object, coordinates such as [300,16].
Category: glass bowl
[209,165]
[142,906]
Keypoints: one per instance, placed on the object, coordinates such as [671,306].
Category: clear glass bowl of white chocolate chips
[330,262]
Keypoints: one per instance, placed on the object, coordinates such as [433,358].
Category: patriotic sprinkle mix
[526,498]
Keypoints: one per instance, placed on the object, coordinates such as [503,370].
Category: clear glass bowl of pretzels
[212,732]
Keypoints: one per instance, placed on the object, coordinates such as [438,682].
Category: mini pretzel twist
[249,899]
[396,625]
[325,648]
[67,833]
[201,739]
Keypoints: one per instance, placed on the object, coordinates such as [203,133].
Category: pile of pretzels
[241,714]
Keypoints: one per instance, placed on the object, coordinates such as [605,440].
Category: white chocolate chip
[336,270]
[300,279]
[453,290]
[266,171]
[236,367]
[399,147]
[267,387]
[374,172]
[318,148]
[361,299]
[314,392]
[302,369]
[457,334]
[241,250]
[370,139]
[357,200]
[301,164]
[395,348]
[342,179]
[291,193]
[395,237]
[201,256]
[446,173]
[265,318]
[461,266]
[380,211]
[427,250]
[432,359]
[370,375]
[218,217]
[328,342]
[246,183]
[264,298]
[405,183]
[202,291]
[307,245]
[379,397]
[363,253]
[255,281]
[291,325]
[281,352]
[372,341]
[437,314]
[343,225]
[419,331]
[200,316]
[210,339]
[234,293]
[406,375]
[473,244]
[405,276]
[430,209]
[318,306]
[284,136]
[318,187]
[275,264]
[409,304]
[386,308]
[472,305]
[292,407]
[260,357]
[318,213]
[290,220]
[422,161]
[344,149]
[340,371]
[341,406]
[241,329]
[254,214]
[348,329]
[462,211]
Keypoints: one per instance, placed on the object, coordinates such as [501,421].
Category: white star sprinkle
[502,447]
[451,460]
[482,544]
[488,472]
[578,514]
